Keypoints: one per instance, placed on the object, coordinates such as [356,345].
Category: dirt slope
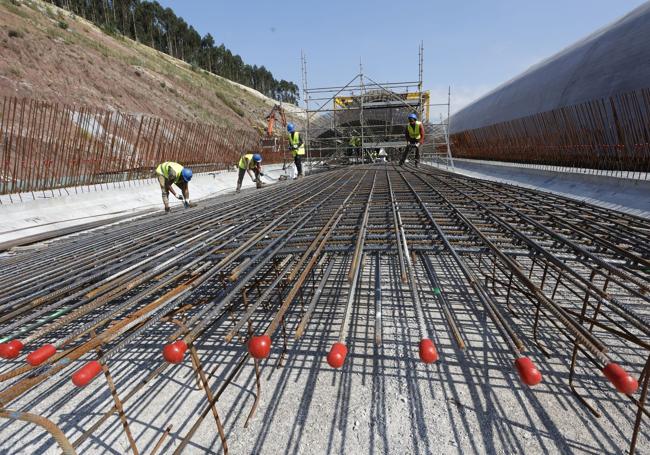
[47,53]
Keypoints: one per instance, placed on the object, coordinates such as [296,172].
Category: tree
[149,23]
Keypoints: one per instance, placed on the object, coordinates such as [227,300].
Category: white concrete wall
[623,194]
[58,210]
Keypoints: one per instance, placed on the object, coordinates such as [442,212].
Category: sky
[471,45]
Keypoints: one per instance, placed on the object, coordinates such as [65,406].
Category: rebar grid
[547,274]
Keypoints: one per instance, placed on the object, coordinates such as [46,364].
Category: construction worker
[170,173]
[297,147]
[414,139]
[250,163]
[355,145]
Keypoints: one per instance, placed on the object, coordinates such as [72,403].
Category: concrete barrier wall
[628,195]
[59,211]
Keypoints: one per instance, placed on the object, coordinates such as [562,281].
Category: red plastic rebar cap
[41,354]
[623,382]
[337,354]
[259,347]
[174,352]
[11,350]
[86,373]
[528,372]
[427,351]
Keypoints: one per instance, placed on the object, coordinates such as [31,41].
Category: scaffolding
[353,123]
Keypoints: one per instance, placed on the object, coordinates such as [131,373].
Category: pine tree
[151,24]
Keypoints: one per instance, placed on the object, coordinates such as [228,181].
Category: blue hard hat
[257,158]
[290,127]
[413,116]
[187,174]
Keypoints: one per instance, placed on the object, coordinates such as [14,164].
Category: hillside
[48,53]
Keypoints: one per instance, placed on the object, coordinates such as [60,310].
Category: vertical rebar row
[608,136]
[45,145]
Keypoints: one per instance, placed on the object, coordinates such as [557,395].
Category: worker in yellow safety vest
[297,147]
[355,145]
[170,173]
[414,139]
[249,163]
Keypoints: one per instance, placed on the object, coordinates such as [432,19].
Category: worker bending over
[249,163]
[414,139]
[170,173]
[297,147]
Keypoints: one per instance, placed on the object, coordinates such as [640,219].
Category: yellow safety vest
[247,161]
[163,169]
[294,139]
[414,133]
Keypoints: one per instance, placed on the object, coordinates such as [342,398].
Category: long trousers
[407,151]
[298,163]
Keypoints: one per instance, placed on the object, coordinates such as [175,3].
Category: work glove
[261,174]
[180,197]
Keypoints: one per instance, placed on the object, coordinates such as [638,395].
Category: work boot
[238,188]
[258,184]
[168,209]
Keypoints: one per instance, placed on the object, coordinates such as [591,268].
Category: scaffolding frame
[352,122]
